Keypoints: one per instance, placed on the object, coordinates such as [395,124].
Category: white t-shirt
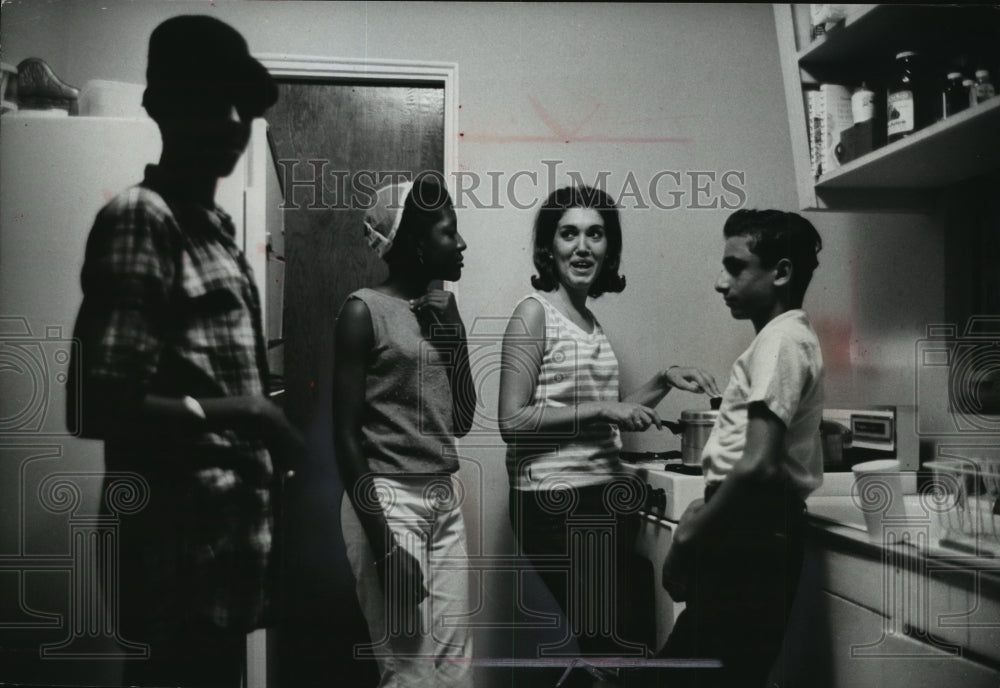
[783,368]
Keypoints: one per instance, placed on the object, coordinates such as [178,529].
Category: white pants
[431,647]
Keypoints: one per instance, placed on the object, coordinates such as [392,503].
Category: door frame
[366,69]
[363,70]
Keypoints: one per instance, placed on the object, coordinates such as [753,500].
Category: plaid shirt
[170,308]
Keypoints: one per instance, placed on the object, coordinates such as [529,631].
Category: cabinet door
[652,543]
[909,663]
[865,580]
[896,660]
[983,621]
[939,627]
[939,604]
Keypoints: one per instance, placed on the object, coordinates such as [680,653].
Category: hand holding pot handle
[674,426]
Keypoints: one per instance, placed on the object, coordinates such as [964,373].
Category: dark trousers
[156,598]
[740,593]
[593,544]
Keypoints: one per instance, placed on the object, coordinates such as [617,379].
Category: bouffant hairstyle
[551,212]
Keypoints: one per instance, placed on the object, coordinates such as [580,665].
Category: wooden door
[346,134]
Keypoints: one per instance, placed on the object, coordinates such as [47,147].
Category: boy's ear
[783,272]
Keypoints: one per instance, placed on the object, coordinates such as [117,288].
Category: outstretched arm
[687,379]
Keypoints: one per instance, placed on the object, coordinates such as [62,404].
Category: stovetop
[670,460]
[673,485]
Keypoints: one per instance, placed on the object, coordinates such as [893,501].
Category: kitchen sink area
[914,590]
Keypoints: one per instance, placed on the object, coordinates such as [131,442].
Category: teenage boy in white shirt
[736,558]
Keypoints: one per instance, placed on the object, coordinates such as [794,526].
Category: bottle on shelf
[904,97]
[862,104]
[983,88]
[824,17]
[955,96]
[970,91]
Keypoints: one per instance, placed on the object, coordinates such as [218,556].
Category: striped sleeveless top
[577,367]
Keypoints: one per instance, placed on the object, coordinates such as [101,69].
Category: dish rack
[965,494]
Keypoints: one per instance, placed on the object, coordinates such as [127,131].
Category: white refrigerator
[55,174]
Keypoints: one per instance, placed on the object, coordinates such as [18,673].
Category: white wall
[616,78]
[704,75]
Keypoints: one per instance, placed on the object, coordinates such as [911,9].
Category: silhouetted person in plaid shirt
[173,370]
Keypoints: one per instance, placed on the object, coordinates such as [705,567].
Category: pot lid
[699,416]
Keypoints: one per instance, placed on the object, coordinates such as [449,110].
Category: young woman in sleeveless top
[402,394]
[561,415]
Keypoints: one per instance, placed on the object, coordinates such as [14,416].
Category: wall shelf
[872,34]
[908,174]
[942,154]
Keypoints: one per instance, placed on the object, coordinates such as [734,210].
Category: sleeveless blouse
[577,367]
[408,425]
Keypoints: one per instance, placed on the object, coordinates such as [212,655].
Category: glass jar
[907,109]
[983,88]
[955,96]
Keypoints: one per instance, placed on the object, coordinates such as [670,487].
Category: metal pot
[834,436]
[694,427]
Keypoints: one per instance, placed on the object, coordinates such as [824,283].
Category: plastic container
[101,98]
[878,492]
[862,104]
[964,493]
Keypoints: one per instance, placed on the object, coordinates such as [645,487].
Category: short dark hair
[774,235]
[551,212]
[423,208]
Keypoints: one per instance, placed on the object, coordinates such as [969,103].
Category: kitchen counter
[867,612]
[890,613]
[840,517]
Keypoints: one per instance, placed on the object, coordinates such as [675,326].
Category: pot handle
[676,427]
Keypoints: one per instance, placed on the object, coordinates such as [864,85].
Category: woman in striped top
[561,415]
